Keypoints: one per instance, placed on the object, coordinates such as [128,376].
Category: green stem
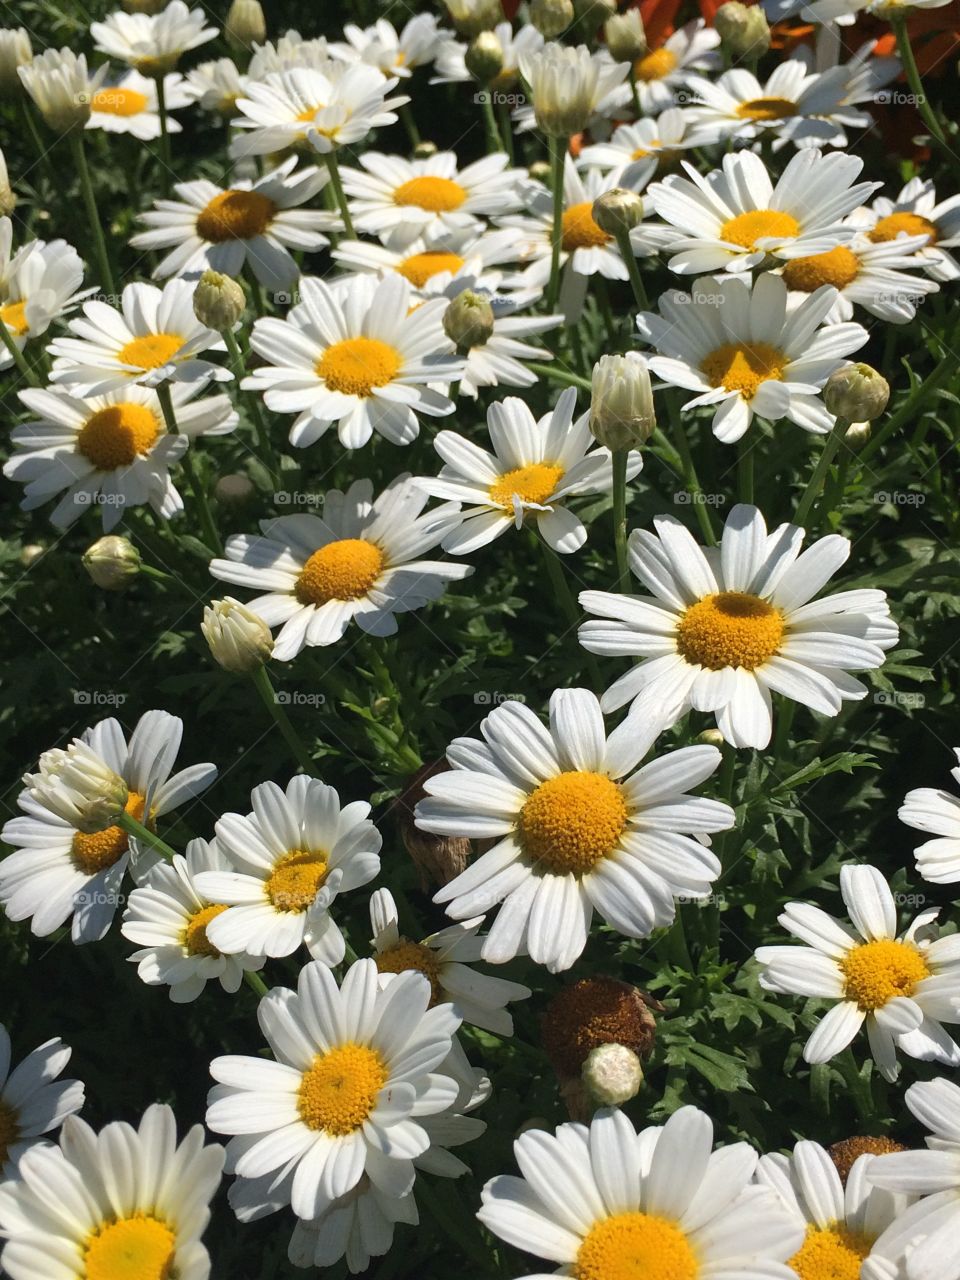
[43,152]
[633,267]
[127,822]
[905,49]
[494,141]
[635,92]
[859,1089]
[620,516]
[692,481]
[262,430]
[559,375]
[506,128]
[558,152]
[197,491]
[19,359]
[406,116]
[333,168]
[75,138]
[164,131]
[255,983]
[745,461]
[816,481]
[264,686]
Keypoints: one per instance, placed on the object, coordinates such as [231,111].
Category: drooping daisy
[722,634]
[736,216]
[101,1204]
[109,451]
[131,105]
[356,1067]
[636,151]
[577,827]
[286,52]
[154,337]
[450,67]
[534,469]
[877,276]
[360,561]
[359,354]
[903,986]
[661,72]
[152,42]
[290,859]
[395,53]
[734,342]
[40,283]
[168,917]
[217,85]
[917,212]
[937,812]
[571,88]
[255,222]
[33,1101]
[58,870]
[605,1201]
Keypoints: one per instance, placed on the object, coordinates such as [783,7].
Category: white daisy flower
[359,561]
[103,1203]
[59,871]
[534,469]
[131,105]
[663,71]
[110,451]
[874,275]
[722,632]
[155,337]
[152,42]
[736,217]
[256,222]
[606,1202]
[168,917]
[734,342]
[360,354]
[217,85]
[61,86]
[570,87]
[288,51]
[431,266]
[577,827]
[40,283]
[451,68]
[635,151]
[903,986]
[33,1101]
[917,212]
[844,11]
[937,812]
[357,1066]
[395,53]
[290,859]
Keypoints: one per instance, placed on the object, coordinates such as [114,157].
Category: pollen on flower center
[579,231]
[150,351]
[839,267]
[438,195]
[896,224]
[534,483]
[766,109]
[342,570]
[876,972]
[118,435]
[656,65]
[137,1248]
[831,1253]
[296,880]
[195,938]
[737,366]
[94,852]
[572,821]
[356,365]
[9,1130]
[338,1092]
[14,316]
[421,267]
[759,224]
[119,102]
[235,215]
[730,629]
[405,955]
[636,1246]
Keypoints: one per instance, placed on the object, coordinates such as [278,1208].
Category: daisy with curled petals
[60,871]
[395,53]
[152,42]
[734,342]
[109,451]
[168,917]
[938,813]
[101,1204]
[578,827]
[358,353]
[663,71]
[356,1067]
[735,217]
[903,986]
[917,212]
[721,634]
[636,151]
[286,52]
[33,1101]
[285,864]
[878,276]
[217,85]
[256,222]
[607,1203]
[131,106]
[155,337]
[39,283]
[534,469]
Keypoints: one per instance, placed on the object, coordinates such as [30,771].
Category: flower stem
[620,516]
[413,133]
[690,478]
[633,267]
[494,141]
[905,49]
[75,138]
[558,152]
[260,426]
[559,375]
[745,469]
[264,686]
[333,168]
[197,491]
[133,827]
[506,128]
[859,1088]
[255,983]
[816,482]
[19,359]
[164,131]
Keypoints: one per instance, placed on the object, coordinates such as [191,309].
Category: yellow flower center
[732,629]
[571,822]
[534,483]
[438,195]
[876,972]
[738,367]
[839,267]
[296,880]
[9,1130]
[911,224]
[14,316]
[405,955]
[747,228]
[137,1248]
[94,852]
[119,102]
[656,65]
[342,570]
[195,938]
[420,267]
[641,154]
[150,351]
[579,231]
[831,1253]
[356,365]
[235,215]
[766,109]
[116,436]
[307,114]
[636,1246]
[340,1090]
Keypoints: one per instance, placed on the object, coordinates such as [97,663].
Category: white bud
[612,1075]
[468,321]
[621,408]
[59,84]
[617,210]
[245,24]
[856,393]
[79,787]
[551,17]
[218,301]
[743,29]
[15,51]
[564,84]
[625,36]
[470,17]
[239,639]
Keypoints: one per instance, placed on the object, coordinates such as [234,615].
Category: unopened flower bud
[857,435]
[424,150]
[856,393]
[239,639]
[625,36]
[617,210]
[612,1075]
[594,12]
[621,408]
[78,786]
[234,489]
[145,6]
[438,859]
[563,83]
[540,170]
[743,29]
[15,51]
[58,82]
[551,17]
[592,1012]
[112,562]
[468,321]
[470,17]
[218,301]
[711,737]
[245,24]
[846,1153]
[484,57]
[31,553]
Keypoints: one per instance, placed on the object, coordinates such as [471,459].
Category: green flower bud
[218,301]
[594,12]
[468,321]
[625,36]
[245,24]
[424,150]
[551,17]
[856,393]
[540,170]
[470,17]
[484,57]
[711,737]
[857,435]
[112,562]
[617,210]
[743,29]
[234,490]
